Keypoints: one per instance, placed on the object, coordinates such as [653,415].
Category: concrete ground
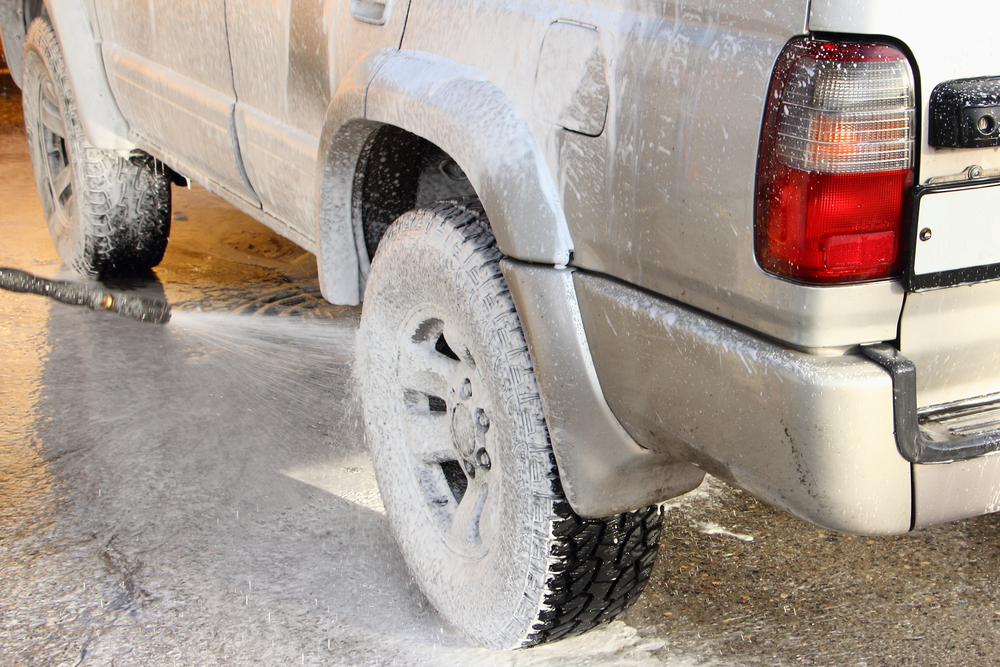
[199,494]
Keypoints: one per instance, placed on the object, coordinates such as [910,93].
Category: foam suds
[711,528]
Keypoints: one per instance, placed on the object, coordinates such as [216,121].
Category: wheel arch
[75,27]
[420,111]
[458,109]
[340,247]
[374,173]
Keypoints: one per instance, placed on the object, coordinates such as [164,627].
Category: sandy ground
[200,494]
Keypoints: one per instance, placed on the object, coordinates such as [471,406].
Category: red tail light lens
[836,162]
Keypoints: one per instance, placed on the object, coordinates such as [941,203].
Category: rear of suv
[603,248]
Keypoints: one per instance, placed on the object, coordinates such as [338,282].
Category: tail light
[836,162]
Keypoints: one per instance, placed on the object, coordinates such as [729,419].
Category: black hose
[140,308]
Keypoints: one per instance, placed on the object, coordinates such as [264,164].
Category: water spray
[139,308]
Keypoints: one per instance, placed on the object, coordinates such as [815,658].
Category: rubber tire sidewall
[121,218]
[424,258]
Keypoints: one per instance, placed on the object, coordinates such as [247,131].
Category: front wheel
[461,450]
[108,215]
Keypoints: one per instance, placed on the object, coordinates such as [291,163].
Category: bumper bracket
[940,433]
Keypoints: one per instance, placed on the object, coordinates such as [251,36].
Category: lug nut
[466,391]
[482,421]
[483,458]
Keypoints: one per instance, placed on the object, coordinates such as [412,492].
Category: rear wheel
[107,214]
[461,450]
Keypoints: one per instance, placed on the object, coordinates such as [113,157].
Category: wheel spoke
[487,520]
[428,437]
[424,370]
[457,343]
[62,186]
[50,115]
[465,522]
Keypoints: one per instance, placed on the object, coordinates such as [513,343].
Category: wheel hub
[463,430]
[469,425]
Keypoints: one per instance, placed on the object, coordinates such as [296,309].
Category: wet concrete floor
[199,494]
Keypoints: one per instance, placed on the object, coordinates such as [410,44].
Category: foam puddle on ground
[613,645]
[312,359]
[353,481]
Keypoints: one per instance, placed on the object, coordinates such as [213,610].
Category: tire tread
[584,573]
[123,204]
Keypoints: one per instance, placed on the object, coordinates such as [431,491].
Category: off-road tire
[436,309]
[108,215]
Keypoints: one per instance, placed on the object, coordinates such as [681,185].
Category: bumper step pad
[941,433]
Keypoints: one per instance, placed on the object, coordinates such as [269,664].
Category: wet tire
[107,215]
[461,450]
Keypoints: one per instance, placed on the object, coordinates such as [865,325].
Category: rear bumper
[958,490]
[641,394]
[811,434]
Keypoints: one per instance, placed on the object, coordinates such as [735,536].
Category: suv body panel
[12,31]
[280,119]
[457,108]
[810,434]
[663,197]
[672,342]
[602,469]
[951,337]
[176,95]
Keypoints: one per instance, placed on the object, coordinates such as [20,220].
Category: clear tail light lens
[836,163]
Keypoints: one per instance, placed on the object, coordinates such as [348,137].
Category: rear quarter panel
[664,197]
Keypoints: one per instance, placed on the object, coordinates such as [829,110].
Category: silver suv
[604,247]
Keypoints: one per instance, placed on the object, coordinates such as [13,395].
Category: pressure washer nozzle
[140,308]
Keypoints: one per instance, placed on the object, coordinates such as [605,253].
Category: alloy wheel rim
[448,433]
[58,171]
